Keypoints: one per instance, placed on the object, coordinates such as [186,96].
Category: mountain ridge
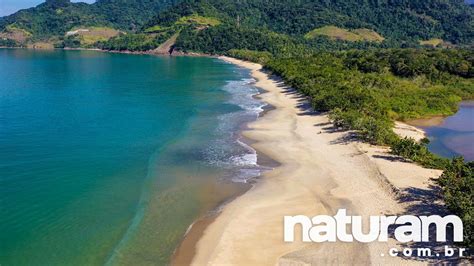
[398,23]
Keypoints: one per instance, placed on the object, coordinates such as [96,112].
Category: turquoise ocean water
[108,158]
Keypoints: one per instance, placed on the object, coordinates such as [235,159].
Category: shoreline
[177,53]
[437,120]
[185,251]
[308,182]
[427,122]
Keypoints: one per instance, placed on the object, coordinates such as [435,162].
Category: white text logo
[324,228]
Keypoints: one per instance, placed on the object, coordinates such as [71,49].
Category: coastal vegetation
[457,181]
[249,55]
[366,91]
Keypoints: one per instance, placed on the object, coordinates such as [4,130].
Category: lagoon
[453,135]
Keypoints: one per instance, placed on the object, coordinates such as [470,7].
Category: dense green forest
[400,20]
[281,26]
[399,23]
[367,89]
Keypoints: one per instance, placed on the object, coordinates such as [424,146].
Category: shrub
[254,56]
[458,191]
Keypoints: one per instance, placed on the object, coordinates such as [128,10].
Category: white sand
[321,172]
[405,130]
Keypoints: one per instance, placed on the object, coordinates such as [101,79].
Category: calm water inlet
[108,158]
[455,135]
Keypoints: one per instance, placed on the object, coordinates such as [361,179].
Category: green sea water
[108,158]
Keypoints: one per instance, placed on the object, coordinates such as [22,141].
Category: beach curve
[322,170]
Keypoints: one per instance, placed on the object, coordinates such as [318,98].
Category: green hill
[55,17]
[280,26]
[408,20]
[404,22]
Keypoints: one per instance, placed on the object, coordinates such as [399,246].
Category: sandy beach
[322,170]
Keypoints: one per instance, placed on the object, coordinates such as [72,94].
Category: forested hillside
[215,26]
[350,24]
[404,20]
[55,17]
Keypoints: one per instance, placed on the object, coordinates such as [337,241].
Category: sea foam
[228,150]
